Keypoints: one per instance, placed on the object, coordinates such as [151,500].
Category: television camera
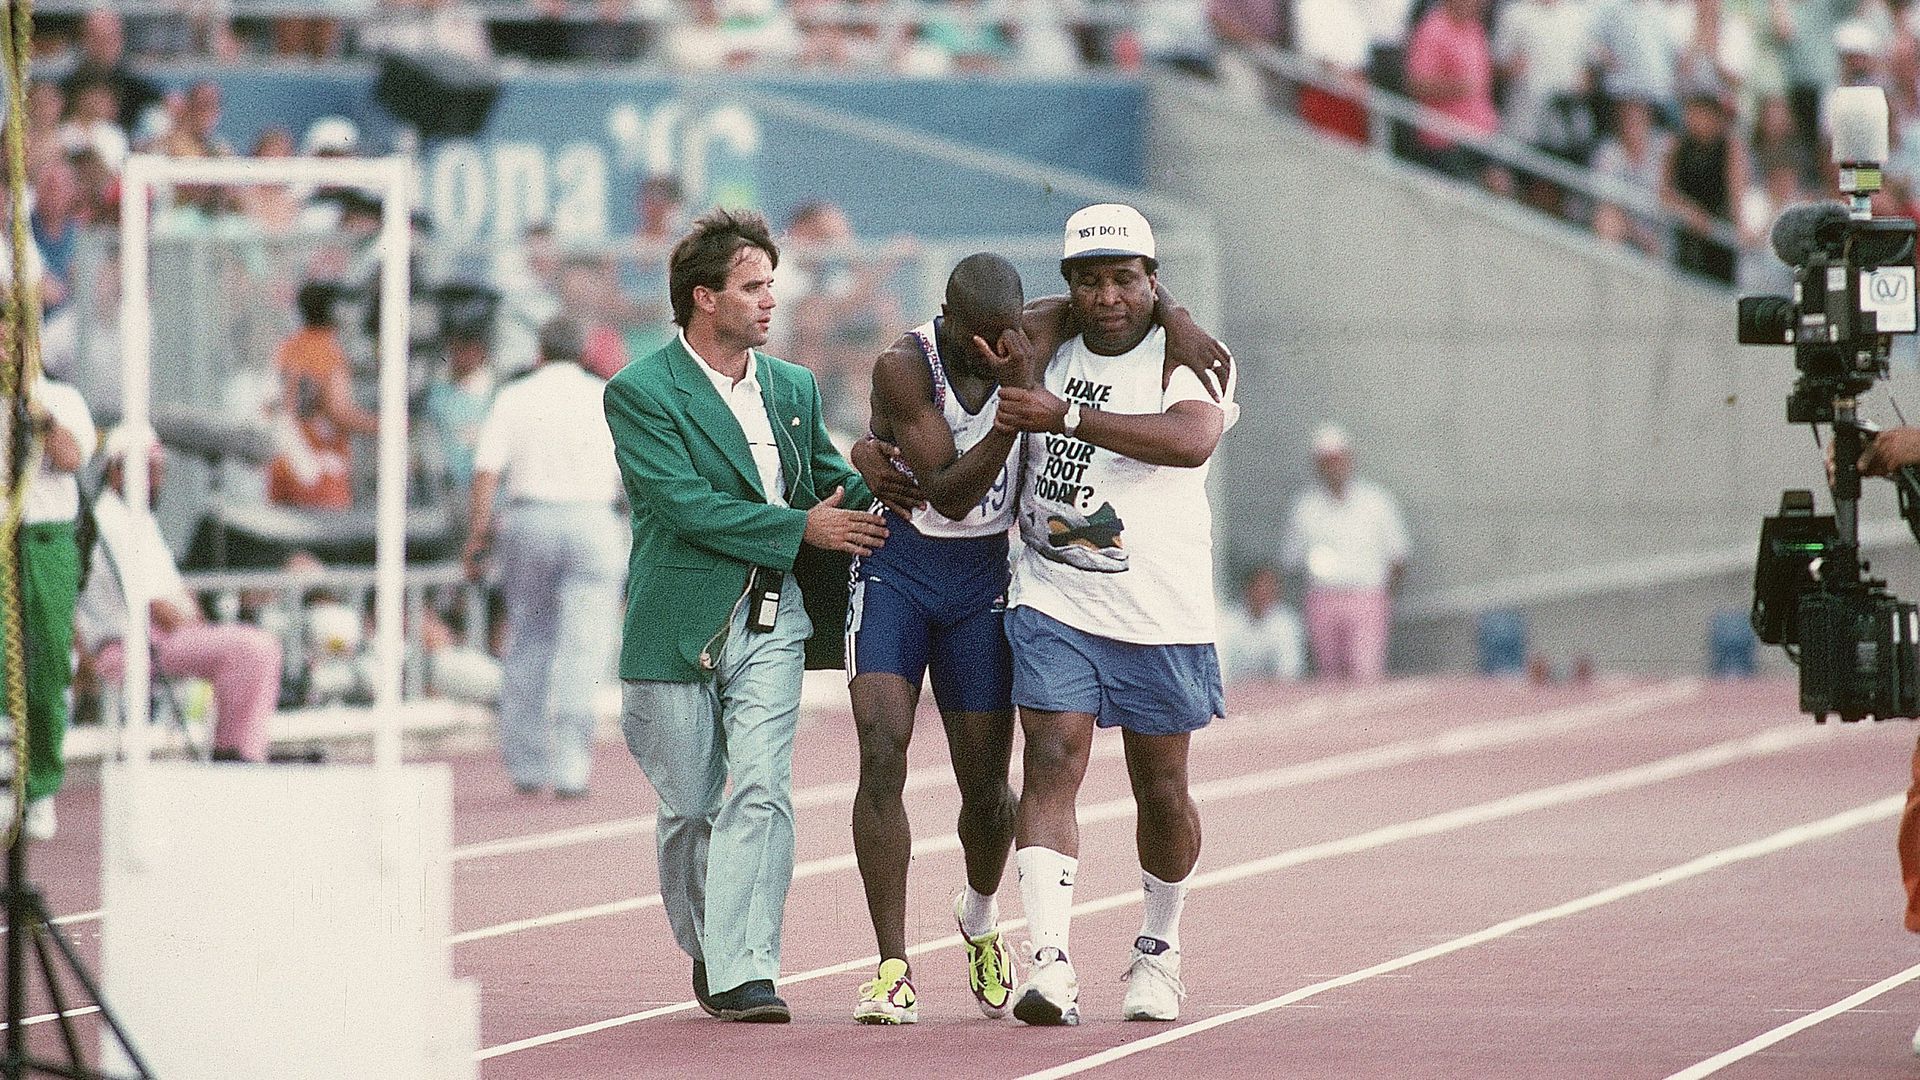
[1857,645]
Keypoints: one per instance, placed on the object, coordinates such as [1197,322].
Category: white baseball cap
[125,437]
[1331,439]
[1856,36]
[1108,230]
[332,135]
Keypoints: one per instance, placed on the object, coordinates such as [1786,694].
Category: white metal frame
[391,178]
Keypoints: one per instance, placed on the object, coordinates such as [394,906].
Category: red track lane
[826,920]
[1640,987]
[1106,867]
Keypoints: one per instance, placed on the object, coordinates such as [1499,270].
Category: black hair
[984,285]
[315,301]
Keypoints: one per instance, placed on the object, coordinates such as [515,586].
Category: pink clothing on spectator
[1347,632]
[1446,48]
[605,354]
[243,664]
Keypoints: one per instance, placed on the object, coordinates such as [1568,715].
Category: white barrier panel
[262,921]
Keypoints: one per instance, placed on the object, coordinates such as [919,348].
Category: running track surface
[1445,878]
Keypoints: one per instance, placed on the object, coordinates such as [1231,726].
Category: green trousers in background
[49,582]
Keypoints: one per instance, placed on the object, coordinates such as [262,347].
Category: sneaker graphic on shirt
[1086,543]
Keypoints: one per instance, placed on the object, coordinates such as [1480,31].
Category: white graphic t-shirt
[1114,546]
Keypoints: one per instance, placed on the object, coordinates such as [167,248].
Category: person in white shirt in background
[1261,637]
[1347,537]
[49,581]
[545,455]
[130,556]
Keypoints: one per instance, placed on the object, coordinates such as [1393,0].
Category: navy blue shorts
[922,603]
[1146,689]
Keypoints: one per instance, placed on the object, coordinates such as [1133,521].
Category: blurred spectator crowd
[1702,118]
[1711,111]
[278,394]
[910,37]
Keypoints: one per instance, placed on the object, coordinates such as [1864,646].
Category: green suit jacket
[700,521]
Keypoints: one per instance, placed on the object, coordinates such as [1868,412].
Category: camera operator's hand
[855,532]
[1891,450]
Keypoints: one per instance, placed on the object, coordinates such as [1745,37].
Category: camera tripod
[31,935]
[31,926]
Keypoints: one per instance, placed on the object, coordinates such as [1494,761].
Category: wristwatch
[1071,423]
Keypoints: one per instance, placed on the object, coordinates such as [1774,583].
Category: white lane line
[48,1018]
[1458,741]
[1794,1027]
[1320,707]
[1878,810]
[65,920]
[1539,799]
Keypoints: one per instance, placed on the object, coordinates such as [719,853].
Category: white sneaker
[1051,994]
[40,822]
[1916,1043]
[1154,990]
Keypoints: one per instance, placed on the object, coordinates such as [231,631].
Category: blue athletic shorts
[1146,689]
[923,603]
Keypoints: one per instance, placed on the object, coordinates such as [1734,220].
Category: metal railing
[1400,113]
[277,599]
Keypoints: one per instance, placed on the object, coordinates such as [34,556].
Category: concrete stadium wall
[1540,405]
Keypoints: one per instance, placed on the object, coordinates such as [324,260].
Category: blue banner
[571,149]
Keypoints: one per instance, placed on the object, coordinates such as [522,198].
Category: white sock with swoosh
[1046,890]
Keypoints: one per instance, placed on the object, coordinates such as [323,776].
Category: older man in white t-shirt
[1111,611]
[1347,537]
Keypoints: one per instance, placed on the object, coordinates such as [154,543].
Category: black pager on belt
[763,598]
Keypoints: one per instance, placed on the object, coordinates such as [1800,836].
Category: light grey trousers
[561,566]
[726,856]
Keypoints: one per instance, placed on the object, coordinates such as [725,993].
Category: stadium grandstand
[1482,252]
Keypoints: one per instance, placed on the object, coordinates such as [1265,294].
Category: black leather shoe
[700,994]
[750,1003]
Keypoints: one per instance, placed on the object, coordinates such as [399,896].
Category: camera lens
[1765,320]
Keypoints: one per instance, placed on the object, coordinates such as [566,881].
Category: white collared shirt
[750,409]
[547,436]
[54,496]
[130,557]
[1349,542]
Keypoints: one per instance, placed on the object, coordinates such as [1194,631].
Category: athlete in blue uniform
[934,599]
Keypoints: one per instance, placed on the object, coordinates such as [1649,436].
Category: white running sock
[1162,902]
[1046,890]
[979,913]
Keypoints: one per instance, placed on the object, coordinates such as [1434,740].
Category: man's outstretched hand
[855,532]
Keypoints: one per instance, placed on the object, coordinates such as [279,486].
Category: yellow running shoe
[989,967]
[889,998]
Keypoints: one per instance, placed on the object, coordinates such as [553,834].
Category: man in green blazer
[728,471]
